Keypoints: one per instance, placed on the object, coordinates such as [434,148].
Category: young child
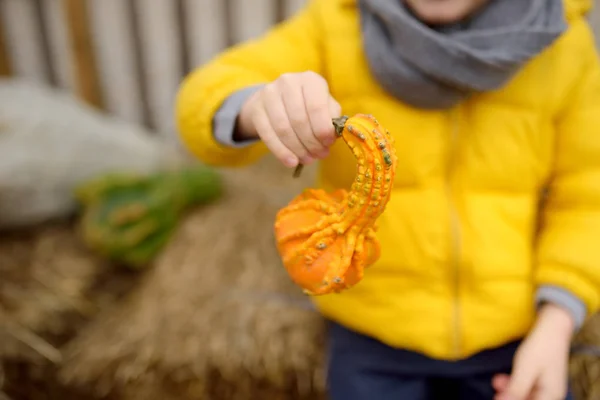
[491,240]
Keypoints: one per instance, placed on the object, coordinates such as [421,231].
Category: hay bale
[49,287]
[585,361]
[44,275]
[217,317]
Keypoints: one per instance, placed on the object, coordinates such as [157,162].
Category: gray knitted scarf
[437,67]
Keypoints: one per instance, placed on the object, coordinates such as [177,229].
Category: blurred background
[207,313]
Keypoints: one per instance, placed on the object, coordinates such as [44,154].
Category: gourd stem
[298,171]
[338,124]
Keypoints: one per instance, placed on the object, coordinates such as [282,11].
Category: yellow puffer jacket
[461,259]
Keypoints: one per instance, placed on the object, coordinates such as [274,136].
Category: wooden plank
[595,22]
[59,50]
[293,6]
[113,30]
[252,18]
[161,59]
[280,10]
[82,46]
[5,63]
[44,38]
[139,57]
[183,36]
[229,22]
[207,29]
[22,40]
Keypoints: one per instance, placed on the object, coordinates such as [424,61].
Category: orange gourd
[326,240]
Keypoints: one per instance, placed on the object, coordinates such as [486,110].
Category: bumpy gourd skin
[326,240]
[129,218]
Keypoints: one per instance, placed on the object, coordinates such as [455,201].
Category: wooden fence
[128,56]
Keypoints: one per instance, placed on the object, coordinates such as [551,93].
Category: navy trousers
[362,368]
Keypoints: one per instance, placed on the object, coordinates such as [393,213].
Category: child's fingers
[280,123]
[271,140]
[522,382]
[293,101]
[317,101]
[500,382]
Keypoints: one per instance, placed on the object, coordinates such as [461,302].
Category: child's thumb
[521,384]
[500,382]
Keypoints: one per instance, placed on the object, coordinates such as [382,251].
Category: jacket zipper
[455,233]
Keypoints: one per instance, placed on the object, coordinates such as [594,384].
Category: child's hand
[541,363]
[292,116]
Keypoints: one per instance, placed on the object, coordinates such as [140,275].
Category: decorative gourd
[326,240]
[129,218]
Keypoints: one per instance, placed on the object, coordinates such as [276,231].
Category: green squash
[129,218]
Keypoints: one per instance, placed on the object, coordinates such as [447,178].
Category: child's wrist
[556,318]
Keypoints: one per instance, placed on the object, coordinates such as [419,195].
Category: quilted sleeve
[568,252]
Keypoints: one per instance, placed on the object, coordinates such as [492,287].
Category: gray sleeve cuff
[564,299]
[225,118]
